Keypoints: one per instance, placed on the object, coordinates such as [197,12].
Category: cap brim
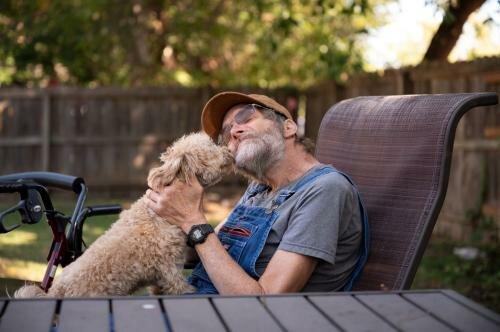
[217,107]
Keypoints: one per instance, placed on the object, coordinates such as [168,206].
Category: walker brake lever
[18,207]
[29,206]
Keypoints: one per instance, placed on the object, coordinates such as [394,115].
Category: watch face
[197,234]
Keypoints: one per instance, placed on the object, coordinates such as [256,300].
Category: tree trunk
[450,29]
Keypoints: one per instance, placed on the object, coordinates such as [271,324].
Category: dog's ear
[173,167]
[186,170]
[163,175]
[166,155]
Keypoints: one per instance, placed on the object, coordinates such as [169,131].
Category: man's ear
[289,128]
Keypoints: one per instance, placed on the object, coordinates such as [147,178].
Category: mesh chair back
[398,151]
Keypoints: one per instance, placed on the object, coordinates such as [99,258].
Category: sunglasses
[243,116]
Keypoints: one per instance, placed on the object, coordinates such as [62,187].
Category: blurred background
[99,88]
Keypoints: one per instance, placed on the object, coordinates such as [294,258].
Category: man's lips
[244,138]
[239,141]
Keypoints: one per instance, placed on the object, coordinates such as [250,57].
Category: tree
[450,29]
[155,42]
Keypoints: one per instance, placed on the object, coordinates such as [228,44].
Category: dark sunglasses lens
[245,114]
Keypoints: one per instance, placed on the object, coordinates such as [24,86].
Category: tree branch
[450,29]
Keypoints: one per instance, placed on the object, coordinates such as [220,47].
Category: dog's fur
[140,248]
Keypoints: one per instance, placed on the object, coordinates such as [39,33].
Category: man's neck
[295,163]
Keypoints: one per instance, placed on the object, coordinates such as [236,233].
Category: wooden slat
[98,139]
[491,210]
[350,314]
[192,314]
[84,315]
[23,93]
[245,314]
[137,315]
[297,314]
[452,312]
[402,313]
[477,145]
[473,305]
[28,315]
[492,132]
[45,131]
[20,141]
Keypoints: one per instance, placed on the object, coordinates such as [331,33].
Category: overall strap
[311,176]
[285,193]
[256,188]
[253,190]
[365,242]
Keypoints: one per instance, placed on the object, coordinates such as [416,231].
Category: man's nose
[237,130]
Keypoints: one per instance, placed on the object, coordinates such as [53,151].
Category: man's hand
[180,203]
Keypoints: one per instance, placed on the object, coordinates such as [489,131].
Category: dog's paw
[29,291]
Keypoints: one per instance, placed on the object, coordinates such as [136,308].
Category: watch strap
[198,234]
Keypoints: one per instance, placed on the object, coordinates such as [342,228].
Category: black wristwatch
[198,234]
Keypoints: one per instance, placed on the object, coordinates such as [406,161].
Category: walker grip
[50,179]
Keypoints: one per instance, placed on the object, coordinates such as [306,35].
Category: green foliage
[250,42]
[483,227]
[478,279]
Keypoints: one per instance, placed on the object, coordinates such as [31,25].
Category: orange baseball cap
[216,108]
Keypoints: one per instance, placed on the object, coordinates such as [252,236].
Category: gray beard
[257,153]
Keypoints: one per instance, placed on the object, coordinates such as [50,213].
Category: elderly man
[299,225]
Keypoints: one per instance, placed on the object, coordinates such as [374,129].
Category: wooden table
[429,310]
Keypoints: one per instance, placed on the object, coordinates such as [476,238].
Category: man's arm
[286,272]
[192,255]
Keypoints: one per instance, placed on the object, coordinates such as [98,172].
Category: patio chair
[397,149]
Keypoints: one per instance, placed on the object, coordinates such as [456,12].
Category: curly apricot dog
[140,248]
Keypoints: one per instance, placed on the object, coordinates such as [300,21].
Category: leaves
[152,42]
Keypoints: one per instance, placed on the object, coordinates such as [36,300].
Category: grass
[23,255]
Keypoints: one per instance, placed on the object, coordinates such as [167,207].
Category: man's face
[238,122]
[256,143]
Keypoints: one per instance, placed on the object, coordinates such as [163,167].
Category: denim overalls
[247,227]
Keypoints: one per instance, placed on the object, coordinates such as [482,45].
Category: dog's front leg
[171,282]
[155,290]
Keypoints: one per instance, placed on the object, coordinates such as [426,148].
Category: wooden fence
[112,136]
[109,136]
[472,203]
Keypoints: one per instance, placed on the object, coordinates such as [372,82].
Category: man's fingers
[152,195]
[150,202]
[176,186]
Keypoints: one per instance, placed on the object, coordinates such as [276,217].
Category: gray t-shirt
[322,220]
